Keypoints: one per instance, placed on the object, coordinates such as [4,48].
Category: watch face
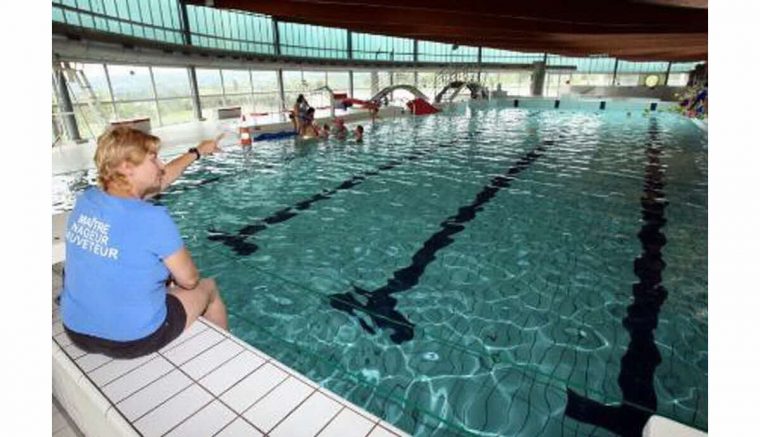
[652,80]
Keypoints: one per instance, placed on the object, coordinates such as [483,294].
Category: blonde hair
[120,144]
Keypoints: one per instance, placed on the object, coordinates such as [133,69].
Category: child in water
[340,129]
[325,133]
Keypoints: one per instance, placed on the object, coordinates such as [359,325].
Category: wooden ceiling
[641,30]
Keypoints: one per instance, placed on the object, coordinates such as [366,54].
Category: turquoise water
[496,248]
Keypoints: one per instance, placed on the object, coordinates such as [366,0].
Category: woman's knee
[212,291]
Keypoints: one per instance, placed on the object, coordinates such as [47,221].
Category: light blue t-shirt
[114,283]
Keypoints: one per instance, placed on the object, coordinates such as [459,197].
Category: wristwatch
[197,153]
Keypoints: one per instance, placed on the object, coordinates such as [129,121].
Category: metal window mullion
[217,14]
[89,3]
[110,92]
[118,16]
[207,26]
[281,89]
[224,92]
[194,94]
[161,18]
[243,21]
[239,29]
[184,23]
[129,17]
[139,11]
[103,11]
[227,22]
[225,27]
[155,95]
[276,37]
[253,95]
[349,45]
[207,21]
[211,30]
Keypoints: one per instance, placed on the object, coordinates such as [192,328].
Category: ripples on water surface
[525,298]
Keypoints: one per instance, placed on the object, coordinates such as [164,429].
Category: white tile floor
[208,382]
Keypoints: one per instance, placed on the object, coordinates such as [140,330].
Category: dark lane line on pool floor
[636,378]
[380,306]
[238,243]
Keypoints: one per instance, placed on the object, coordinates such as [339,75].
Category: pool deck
[206,382]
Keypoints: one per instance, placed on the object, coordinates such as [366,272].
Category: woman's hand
[208,147]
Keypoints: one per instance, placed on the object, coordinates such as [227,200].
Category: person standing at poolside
[299,113]
[308,128]
[122,252]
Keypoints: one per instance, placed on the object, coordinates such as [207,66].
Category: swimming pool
[484,271]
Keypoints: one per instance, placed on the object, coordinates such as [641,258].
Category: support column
[537,78]
[64,100]
[194,93]
[349,44]
[281,89]
[374,82]
[276,37]
[614,73]
[185,23]
[110,92]
[277,52]
[480,61]
[667,73]
[351,83]
[155,96]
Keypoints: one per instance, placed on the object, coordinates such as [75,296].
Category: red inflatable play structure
[349,101]
[420,106]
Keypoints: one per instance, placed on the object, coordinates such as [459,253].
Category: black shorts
[168,331]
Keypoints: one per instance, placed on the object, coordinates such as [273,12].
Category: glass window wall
[362,85]
[509,57]
[231,30]
[514,83]
[429,51]
[304,40]
[152,19]
[381,48]
[266,95]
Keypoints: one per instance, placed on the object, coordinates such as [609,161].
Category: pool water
[484,271]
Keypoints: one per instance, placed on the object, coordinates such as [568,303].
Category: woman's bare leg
[203,300]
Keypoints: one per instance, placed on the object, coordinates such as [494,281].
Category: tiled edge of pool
[702,124]
[659,426]
[207,381]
